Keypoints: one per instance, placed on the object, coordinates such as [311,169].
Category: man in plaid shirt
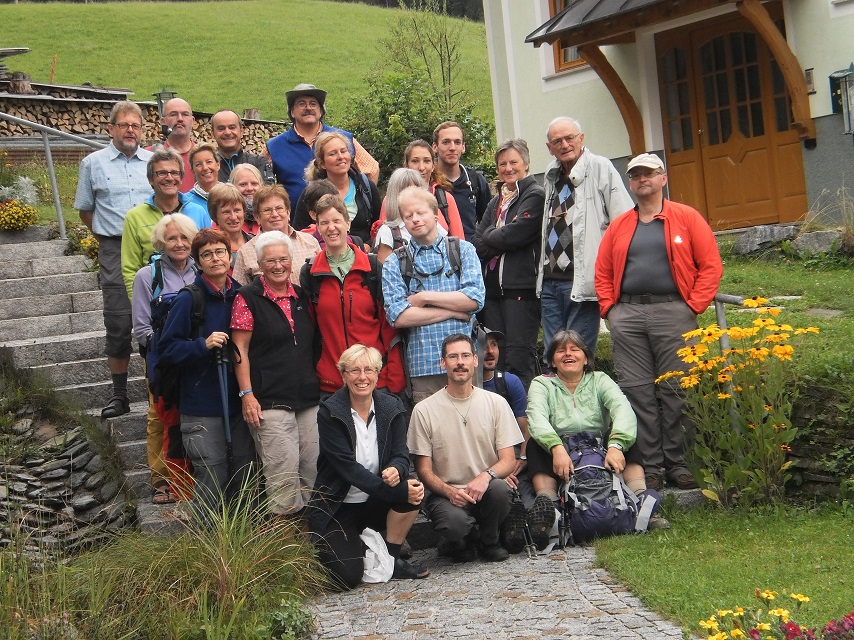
[437,300]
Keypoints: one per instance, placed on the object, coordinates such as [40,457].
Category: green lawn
[237,54]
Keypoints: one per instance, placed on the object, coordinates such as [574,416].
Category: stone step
[28,250]
[30,234]
[133,455]
[131,426]
[33,352]
[97,394]
[138,482]
[85,371]
[49,285]
[159,520]
[51,305]
[33,267]
[44,326]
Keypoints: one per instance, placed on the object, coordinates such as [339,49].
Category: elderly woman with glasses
[275,339]
[362,472]
[210,414]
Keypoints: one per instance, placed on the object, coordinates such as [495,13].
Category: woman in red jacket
[344,286]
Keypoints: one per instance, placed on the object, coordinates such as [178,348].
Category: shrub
[16,215]
[397,110]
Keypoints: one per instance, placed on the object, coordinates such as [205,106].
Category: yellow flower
[783,614]
[776,337]
[689,381]
[763,626]
[719,636]
[724,377]
[765,595]
[668,375]
[711,624]
[758,353]
[694,333]
[774,311]
[806,330]
[755,301]
[738,611]
[763,322]
[799,597]
[724,396]
[692,353]
[723,613]
[785,447]
[783,351]
[737,633]
[705,365]
[712,333]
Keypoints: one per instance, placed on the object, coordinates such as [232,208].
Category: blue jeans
[561,312]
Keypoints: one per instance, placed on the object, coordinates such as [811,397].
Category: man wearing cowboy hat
[292,151]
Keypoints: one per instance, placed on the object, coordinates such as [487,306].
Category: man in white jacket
[583,192]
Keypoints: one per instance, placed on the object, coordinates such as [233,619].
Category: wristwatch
[492,473]
[615,445]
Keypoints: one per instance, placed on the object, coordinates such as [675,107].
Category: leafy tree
[397,110]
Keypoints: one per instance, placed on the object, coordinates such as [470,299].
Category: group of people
[334,350]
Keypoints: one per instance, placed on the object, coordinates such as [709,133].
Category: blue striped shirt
[110,184]
[424,344]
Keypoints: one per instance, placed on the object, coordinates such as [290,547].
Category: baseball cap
[647,160]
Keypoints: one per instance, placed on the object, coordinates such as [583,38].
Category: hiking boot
[493,552]
[541,519]
[657,523]
[654,481]
[463,551]
[512,533]
[684,480]
[117,406]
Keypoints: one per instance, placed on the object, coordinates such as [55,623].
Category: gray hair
[164,154]
[400,179]
[125,106]
[184,224]
[571,121]
[245,166]
[272,239]
[516,144]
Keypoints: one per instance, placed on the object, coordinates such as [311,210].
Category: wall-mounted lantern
[163,96]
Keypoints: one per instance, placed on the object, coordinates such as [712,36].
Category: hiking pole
[530,547]
[222,371]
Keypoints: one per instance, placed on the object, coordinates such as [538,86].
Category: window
[565,57]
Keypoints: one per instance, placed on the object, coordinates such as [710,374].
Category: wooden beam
[796,83]
[632,118]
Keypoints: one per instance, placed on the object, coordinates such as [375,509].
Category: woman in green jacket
[572,400]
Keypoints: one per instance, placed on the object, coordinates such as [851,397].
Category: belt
[648,298]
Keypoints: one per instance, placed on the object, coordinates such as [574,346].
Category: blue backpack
[598,502]
[164,380]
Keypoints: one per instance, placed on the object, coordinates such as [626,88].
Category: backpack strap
[309,287]
[442,199]
[501,384]
[373,281]
[368,196]
[396,238]
[156,275]
[197,313]
[453,244]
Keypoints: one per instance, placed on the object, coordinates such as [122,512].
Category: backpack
[598,503]
[372,280]
[164,379]
[500,384]
[407,266]
[442,199]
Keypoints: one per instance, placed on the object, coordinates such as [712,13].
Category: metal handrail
[720,314]
[48,156]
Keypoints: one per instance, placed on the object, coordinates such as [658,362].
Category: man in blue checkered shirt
[435,301]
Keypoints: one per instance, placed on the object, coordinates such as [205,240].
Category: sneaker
[493,552]
[654,481]
[541,519]
[512,533]
[404,570]
[657,523]
[684,481]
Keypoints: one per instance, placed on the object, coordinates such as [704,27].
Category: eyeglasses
[272,262]
[175,114]
[219,253]
[357,371]
[453,357]
[637,175]
[568,139]
[170,174]
[124,126]
[281,210]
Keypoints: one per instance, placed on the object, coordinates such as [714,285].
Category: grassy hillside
[240,54]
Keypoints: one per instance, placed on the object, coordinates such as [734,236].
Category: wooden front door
[730,150]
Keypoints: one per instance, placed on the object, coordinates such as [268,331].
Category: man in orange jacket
[658,267]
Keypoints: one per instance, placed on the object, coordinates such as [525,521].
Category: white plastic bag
[379,565]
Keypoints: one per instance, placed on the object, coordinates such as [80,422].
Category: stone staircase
[51,322]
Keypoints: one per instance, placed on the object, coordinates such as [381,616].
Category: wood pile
[88,117]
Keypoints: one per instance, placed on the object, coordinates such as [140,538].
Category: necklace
[453,404]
